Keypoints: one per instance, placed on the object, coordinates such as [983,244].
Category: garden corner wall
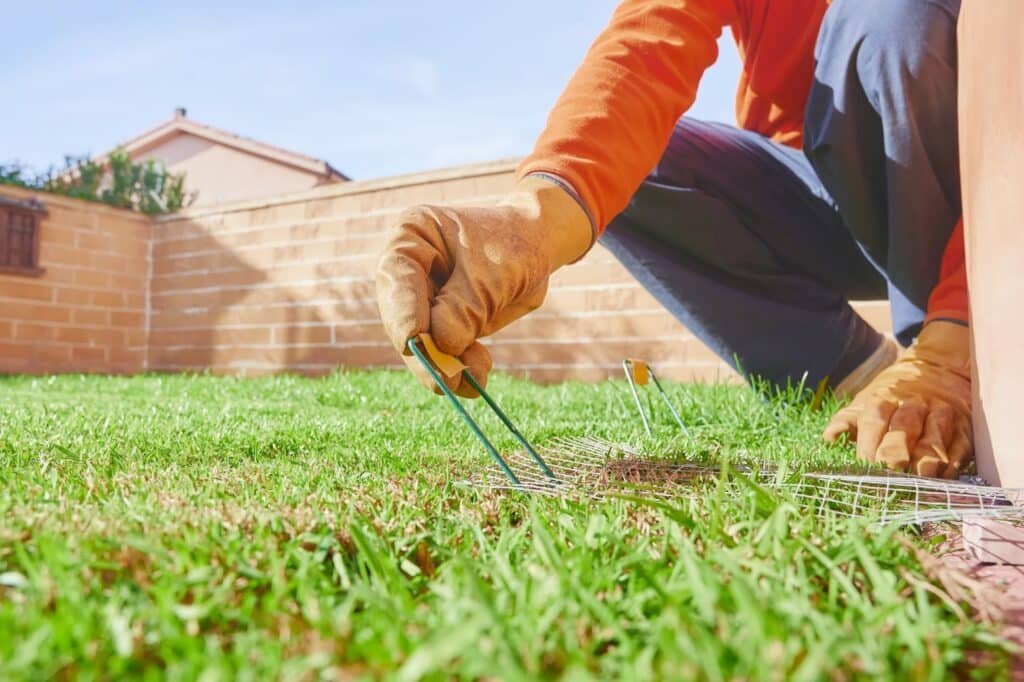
[86,312]
[287,284]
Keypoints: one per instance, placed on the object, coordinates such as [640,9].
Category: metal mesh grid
[593,468]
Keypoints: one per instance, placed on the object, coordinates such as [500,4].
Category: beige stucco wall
[223,175]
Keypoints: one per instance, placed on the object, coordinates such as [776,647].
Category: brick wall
[287,284]
[87,311]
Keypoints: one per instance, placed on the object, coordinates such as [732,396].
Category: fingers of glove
[506,317]
[460,311]
[413,254]
[844,422]
[478,361]
[960,451]
[424,376]
[872,425]
[931,454]
[905,427]
[511,313]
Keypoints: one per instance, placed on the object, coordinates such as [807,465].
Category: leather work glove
[916,414]
[463,273]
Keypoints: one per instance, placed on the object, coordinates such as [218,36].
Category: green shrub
[147,186]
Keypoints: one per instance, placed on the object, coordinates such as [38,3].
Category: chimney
[180,112]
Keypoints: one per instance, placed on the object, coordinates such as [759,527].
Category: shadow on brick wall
[343,330]
[207,313]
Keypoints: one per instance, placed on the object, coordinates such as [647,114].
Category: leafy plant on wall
[118,181]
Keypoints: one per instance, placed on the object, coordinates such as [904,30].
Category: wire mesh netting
[592,468]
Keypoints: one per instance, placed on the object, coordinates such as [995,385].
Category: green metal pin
[414,347]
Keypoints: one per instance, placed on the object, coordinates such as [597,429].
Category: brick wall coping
[49,199]
[346,189]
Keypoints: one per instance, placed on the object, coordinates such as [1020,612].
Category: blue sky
[376,88]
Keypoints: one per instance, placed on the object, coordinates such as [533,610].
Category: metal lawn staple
[637,373]
[414,346]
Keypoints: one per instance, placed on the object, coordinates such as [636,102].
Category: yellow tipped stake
[639,373]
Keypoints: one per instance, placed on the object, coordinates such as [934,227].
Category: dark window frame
[18,218]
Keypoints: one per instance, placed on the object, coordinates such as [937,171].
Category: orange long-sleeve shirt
[612,123]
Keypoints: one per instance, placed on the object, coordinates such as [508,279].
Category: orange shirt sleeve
[949,297]
[611,124]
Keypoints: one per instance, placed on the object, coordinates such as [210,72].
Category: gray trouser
[757,248]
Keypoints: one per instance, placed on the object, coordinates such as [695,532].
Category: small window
[19,236]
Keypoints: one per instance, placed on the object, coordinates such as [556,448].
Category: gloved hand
[464,273]
[916,414]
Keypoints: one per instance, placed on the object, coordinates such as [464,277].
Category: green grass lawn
[186,527]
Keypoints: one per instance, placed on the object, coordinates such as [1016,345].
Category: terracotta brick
[126,360]
[177,229]
[90,316]
[231,278]
[18,311]
[124,227]
[92,356]
[372,331]
[15,356]
[325,269]
[135,300]
[554,375]
[122,282]
[108,299]
[299,335]
[277,356]
[31,332]
[121,318]
[73,295]
[160,357]
[183,246]
[136,251]
[592,272]
[49,357]
[135,265]
[78,219]
[215,336]
[349,356]
[92,278]
[94,241]
[164,266]
[538,352]
[135,338]
[6,331]
[568,325]
[57,274]
[53,255]
[89,336]
[167,317]
[359,293]
[710,374]
[182,337]
[53,234]
[632,297]
[109,262]
[12,287]
[15,359]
